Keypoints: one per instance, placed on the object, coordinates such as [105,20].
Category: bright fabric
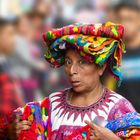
[56,119]
[98,43]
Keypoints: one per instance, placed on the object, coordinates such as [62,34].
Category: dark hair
[131,4]
[4,22]
[30,15]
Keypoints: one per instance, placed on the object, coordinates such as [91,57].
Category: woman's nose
[73,69]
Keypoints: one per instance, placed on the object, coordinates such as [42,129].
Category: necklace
[70,97]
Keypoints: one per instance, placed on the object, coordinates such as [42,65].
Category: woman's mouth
[75,83]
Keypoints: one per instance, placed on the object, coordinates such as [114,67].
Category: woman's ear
[102,69]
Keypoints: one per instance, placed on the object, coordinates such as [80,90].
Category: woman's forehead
[73,53]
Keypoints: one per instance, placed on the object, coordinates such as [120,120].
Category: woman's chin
[78,88]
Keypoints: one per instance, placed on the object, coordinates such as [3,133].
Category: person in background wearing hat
[87,110]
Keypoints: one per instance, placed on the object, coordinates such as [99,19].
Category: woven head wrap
[98,43]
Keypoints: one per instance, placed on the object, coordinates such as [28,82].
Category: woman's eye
[67,62]
[82,62]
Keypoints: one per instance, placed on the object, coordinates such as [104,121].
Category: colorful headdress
[99,43]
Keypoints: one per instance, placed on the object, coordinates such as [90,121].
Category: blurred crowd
[24,74]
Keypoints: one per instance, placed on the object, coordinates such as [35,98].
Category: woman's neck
[87,97]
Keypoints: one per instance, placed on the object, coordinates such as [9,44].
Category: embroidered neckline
[84,107]
[65,107]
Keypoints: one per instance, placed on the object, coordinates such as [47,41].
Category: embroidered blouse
[55,118]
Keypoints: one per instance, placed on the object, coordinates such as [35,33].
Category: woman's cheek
[66,70]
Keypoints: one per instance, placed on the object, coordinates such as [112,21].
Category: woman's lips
[75,83]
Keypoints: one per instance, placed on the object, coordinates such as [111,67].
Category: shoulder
[122,101]
[120,107]
[57,95]
[117,98]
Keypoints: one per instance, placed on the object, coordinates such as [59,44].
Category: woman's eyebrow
[66,57]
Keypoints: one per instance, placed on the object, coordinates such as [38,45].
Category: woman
[85,51]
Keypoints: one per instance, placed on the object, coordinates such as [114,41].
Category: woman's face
[83,75]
